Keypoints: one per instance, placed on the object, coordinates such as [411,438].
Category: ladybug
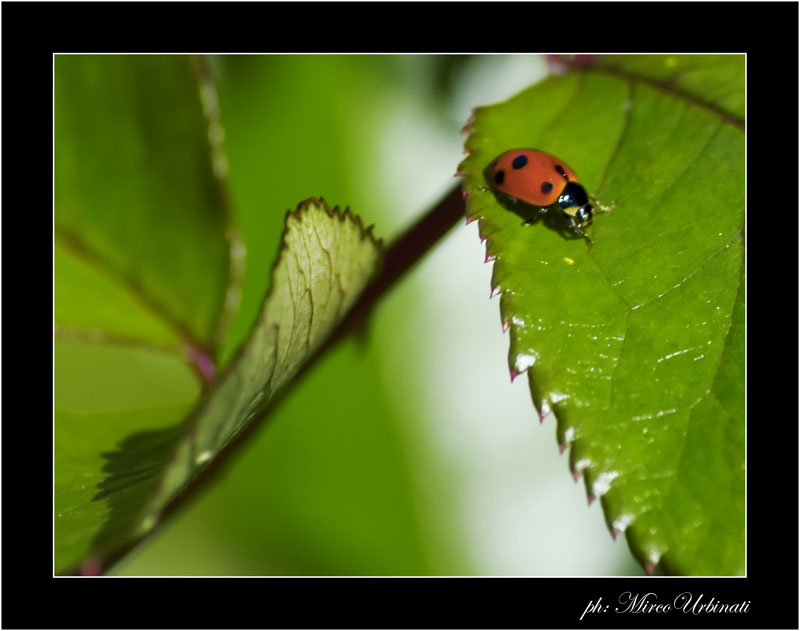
[540,179]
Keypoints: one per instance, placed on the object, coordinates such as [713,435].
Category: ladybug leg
[577,230]
[532,220]
[604,207]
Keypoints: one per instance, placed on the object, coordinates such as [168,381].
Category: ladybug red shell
[541,179]
[531,176]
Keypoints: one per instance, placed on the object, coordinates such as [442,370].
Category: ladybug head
[574,202]
[583,216]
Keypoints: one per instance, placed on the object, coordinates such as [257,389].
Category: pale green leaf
[326,260]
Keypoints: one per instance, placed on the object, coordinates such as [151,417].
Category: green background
[405,452]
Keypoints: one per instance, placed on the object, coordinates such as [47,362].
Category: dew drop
[581,465]
[544,410]
[148,523]
[622,522]
[204,456]
[603,483]
[524,361]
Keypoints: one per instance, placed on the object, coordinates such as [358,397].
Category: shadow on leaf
[550,217]
[132,471]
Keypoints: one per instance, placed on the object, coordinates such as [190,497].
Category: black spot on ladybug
[547,187]
[561,171]
[499,177]
[519,162]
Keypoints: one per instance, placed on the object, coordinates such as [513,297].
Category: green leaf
[636,343]
[104,394]
[716,81]
[92,303]
[326,260]
[136,192]
[141,267]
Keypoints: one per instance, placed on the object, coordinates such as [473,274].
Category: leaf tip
[337,213]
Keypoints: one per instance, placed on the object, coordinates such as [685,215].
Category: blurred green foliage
[338,477]
[129,155]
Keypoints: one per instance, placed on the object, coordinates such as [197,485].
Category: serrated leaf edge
[619,523]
